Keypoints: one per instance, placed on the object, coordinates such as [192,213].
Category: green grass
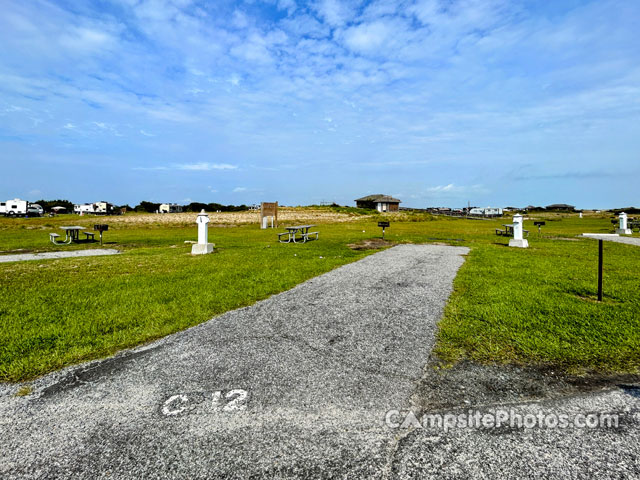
[533,306]
[539,307]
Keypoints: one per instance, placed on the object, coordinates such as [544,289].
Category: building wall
[387,207]
[362,204]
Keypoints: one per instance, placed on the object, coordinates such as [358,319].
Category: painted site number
[215,402]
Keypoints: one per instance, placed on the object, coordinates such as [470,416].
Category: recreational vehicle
[98,208]
[103,208]
[486,212]
[34,210]
[83,208]
[170,208]
[14,208]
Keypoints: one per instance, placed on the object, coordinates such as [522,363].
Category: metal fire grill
[101,228]
[383,225]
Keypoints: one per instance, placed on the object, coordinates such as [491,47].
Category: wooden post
[600,248]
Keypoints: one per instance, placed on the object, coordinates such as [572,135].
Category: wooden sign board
[269,209]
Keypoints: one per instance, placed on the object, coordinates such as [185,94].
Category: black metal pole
[383,233]
[599,270]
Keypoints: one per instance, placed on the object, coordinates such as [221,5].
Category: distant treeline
[152,207]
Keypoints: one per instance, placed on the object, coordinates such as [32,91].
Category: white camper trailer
[170,208]
[15,207]
[83,208]
[103,208]
[98,208]
[486,212]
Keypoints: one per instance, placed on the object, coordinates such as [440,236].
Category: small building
[170,208]
[379,202]
[561,207]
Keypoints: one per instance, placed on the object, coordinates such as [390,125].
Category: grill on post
[383,225]
[101,228]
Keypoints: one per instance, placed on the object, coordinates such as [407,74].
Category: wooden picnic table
[292,232]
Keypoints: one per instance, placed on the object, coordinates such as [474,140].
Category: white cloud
[204,166]
[86,39]
[147,134]
[368,37]
[334,12]
[442,188]
[197,167]
[239,189]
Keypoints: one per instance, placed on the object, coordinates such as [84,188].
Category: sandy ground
[285,216]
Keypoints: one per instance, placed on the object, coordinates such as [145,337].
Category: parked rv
[486,212]
[34,210]
[170,208]
[14,208]
[83,208]
[98,208]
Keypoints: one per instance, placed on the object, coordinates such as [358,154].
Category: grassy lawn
[533,306]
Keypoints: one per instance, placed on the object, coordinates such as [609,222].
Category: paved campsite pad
[295,386]
[61,254]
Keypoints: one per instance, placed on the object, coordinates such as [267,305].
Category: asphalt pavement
[315,382]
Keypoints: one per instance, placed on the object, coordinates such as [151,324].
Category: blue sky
[438,102]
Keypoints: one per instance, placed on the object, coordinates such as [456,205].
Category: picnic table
[293,232]
[72,234]
[508,230]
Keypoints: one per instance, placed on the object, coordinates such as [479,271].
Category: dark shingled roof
[378,198]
